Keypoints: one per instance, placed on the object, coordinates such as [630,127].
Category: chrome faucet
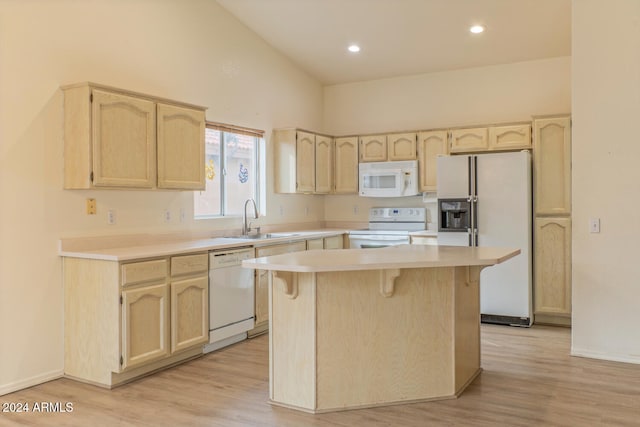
[245,227]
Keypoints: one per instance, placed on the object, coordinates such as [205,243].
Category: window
[232,159]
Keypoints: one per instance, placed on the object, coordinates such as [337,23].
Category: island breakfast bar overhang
[355,328]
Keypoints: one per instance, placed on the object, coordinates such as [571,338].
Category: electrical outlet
[594,225]
[111,216]
[183,215]
[91,206]
[281,210]
[306,211]
[167,216]
[356,209]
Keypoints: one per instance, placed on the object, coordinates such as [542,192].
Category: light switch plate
[594,225]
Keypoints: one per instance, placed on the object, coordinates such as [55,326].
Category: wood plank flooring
[529,379]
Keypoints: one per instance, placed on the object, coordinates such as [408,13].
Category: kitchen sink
[262,236]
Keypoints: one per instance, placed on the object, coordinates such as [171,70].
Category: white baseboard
[580,352]
[30,382]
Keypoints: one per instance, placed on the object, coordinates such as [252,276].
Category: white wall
[483,95]
[606,177]
[496,94]
[191,51]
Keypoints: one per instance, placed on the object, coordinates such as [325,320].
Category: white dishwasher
[231,297]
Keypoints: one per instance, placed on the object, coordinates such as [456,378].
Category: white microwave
[388,179]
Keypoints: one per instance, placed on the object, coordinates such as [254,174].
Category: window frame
[257,159]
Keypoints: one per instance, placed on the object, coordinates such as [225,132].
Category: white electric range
[388,227]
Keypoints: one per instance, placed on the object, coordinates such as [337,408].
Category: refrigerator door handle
[470,236]
[469,175]
[475,175]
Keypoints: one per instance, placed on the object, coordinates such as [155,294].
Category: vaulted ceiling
[404,37]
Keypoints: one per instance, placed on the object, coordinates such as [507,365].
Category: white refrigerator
[485,200]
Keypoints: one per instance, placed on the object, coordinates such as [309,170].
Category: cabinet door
[346,165]
[430,145]
[468,140]
[552,266]
[180,148]
[189,313]
[145,324]
[324,164]
[315,244]
[334,242]
[262,277]
[305,162]
[262,297]
[123,141]
[373,148]
[401,146]
[510,137]
[552,163]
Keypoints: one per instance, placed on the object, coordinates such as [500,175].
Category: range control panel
[398,215]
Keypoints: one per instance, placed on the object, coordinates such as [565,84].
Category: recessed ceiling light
[354,48]
[476,29]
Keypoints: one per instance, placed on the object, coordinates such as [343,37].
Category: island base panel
[340,343]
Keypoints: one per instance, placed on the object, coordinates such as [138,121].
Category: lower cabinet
[552,282]
[145,324]
[262,283]
[424,240]
[126,319]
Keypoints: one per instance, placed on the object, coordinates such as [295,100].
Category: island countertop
[392,257]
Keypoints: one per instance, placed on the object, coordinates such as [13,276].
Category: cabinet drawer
[145,271]
[186,264]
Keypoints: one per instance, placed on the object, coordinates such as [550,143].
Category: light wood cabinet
[334,242]
[189,301]
[126,319]
[401,146]
[121,139]
[346,165]
[373,148]
[262,282]
[552,295]
[431,144]
[552,166]
[303,162]
[424,240]
[315,244]
[181,158]
[323,165]
[145,325]
[512,137]
[469,140]
[552,207]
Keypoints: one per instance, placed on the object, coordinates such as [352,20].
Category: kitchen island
[353,328]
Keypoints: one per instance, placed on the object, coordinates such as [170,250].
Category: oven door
[364,241]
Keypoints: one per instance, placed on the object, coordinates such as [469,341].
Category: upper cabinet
[346,165]
[431,144]
[492,138]
[119,139]
[303,162]
[373,148]
[180,134]
[511,137]
[401,146]
[471,139]
[552,166]
[324,164]
[391,147]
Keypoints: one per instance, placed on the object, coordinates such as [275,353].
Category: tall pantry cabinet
[552,223]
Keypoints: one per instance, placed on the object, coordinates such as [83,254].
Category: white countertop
[401,256]
[131,252]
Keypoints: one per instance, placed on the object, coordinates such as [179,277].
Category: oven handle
[381,238]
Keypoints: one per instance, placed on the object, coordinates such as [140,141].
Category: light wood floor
[529,379]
